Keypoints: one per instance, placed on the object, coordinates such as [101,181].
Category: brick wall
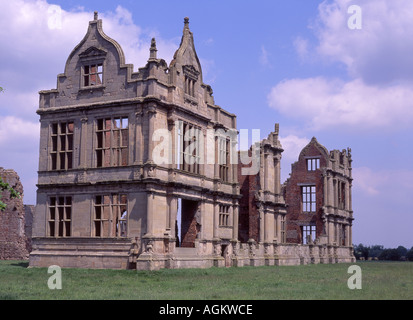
[293,197]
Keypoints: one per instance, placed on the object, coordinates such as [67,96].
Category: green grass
[380,280]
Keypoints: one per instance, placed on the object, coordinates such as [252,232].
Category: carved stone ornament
[191,72]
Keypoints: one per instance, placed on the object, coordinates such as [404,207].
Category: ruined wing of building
[113,194]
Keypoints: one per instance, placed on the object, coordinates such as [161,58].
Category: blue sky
[293,62]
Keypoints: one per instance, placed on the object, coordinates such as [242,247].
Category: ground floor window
[60,216]
[110,215]
[308,231]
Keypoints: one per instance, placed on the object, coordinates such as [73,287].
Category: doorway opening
[187,226]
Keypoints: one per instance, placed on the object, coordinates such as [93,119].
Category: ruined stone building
[136,170]
[15,220]
[318,193]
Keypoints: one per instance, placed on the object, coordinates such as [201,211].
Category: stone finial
[153,49]
[186,21]
[95,17]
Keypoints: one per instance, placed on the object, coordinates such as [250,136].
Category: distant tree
[361,251]
[409,254]
[374,251]
[402,251]
[389,254]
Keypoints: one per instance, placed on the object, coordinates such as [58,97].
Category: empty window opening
[308,233]
[112,142]
[188,139]
[92,75]
[224,215]
[60,216]
[341,195]
[313,164]
[189,86]
[110,215]
[61,153]
[282,227]
[223,151]
[308,199]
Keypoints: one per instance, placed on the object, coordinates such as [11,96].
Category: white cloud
[378,59]
[18,134]
[292,146]
[325,103]
[384,183]
[264,58]
[301,47]
[379,52]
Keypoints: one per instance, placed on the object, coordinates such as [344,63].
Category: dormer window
[189,86]
[191,76]
[92,75]
[313,164]
[92,61]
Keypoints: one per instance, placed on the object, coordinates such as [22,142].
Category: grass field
[380,280]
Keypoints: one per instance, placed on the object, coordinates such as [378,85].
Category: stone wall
[15,221]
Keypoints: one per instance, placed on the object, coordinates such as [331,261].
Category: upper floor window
[223,158]
[188,147]
[92,75]
[112,148]
[341,195]
[313,164]
[309,199]
[61,153]
[189,86]
[191,76]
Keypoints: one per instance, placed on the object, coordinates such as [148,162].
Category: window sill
[92,88]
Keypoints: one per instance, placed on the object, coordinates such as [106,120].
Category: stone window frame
[308,229]
[61,145]
[94,69]
[190,79]
[308,198]
[283,229]
[184,128]
[103,221]
[118,146]
[92,57]
[59,213]
[312,163]
[224,146]
[341,194]
[224,215]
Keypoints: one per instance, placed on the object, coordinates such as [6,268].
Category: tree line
[378,252]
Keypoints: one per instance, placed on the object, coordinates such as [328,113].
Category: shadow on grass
[23,264]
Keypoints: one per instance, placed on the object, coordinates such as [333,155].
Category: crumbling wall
[15,234]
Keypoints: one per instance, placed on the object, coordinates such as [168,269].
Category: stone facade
[15,221]
[136,169]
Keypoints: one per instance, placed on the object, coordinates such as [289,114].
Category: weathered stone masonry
[15,221]
[104,201]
